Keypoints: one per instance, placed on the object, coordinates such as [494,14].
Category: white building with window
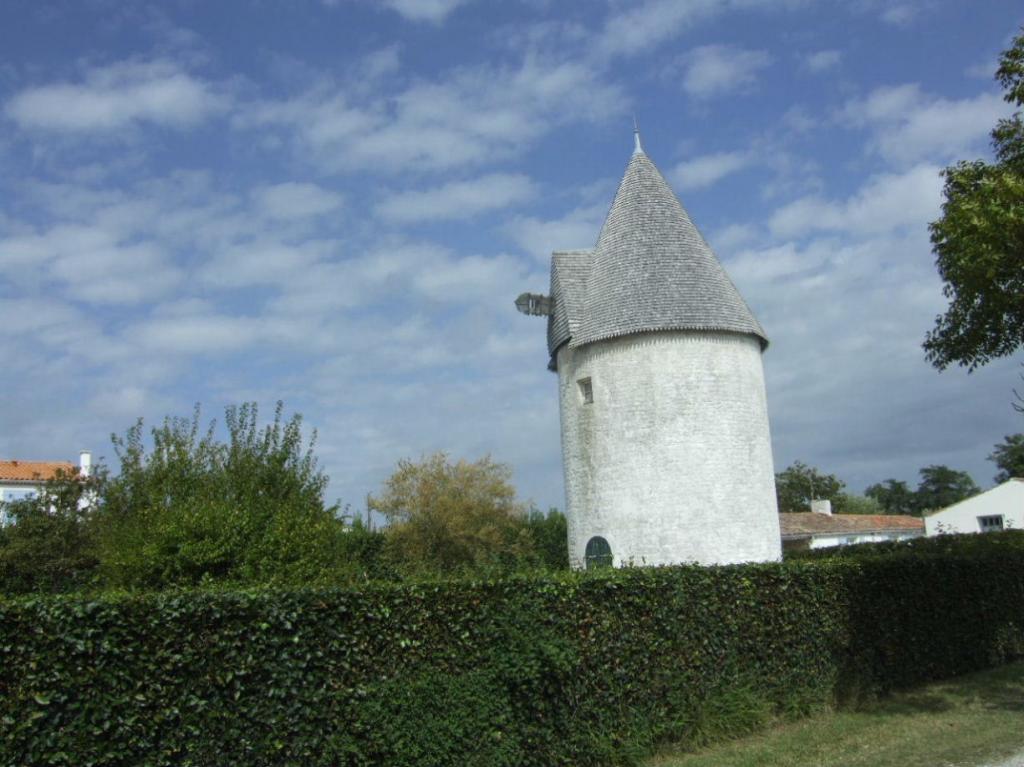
[665,440]
[818,530]
[24,479]
[1001,508]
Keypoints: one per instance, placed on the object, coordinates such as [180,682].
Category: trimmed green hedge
[575,670]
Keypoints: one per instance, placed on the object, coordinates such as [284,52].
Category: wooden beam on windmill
[534,304]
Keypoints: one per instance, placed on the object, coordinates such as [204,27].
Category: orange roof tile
[33,471]
[812,523]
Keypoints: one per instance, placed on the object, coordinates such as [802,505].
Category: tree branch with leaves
[979,242]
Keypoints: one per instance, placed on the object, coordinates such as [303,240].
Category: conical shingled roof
[652,270]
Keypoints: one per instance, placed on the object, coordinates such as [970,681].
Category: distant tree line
[939,486]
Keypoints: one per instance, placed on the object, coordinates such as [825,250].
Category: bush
[48,547]
[574,669]
[194,509]
[191,509]
[550,538]
[454,517]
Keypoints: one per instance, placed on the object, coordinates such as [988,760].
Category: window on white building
[586,391]
[991,523]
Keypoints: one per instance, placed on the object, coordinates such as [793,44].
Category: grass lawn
[971,720]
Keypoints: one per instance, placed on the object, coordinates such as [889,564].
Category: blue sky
[334,203]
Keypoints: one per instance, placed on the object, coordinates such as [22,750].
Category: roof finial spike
[637,148]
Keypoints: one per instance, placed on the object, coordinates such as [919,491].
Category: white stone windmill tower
[665,441]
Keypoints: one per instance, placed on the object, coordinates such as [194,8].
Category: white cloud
[798,120]
[846,314]
[899,14]
[644,26]
[434,11]
[894,12]
[116,273]
[885,104]
[200,334]
[761,268]
[91,263]
[457,199]
[886,203]
[123,403]
[820,61]
[704,171]
[261,262]
[425,10]
[45,321]
[908,125]
[292,200]
[416,271]
[714,70]
[473,116]
[984,69]
[472,278]
[638,26]
[732,237]
[117,96]
[379,64]
[577,229]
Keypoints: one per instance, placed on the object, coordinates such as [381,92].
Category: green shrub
[574,669]
[48,548]
[550,538]
[190,509]
[186,508]
[195,509]
[453,517]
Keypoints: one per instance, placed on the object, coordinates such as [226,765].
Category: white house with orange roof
[820,528]
[24,479]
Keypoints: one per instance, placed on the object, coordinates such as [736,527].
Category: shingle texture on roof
[33,471]
[568,283]
[811,523]
[651,270]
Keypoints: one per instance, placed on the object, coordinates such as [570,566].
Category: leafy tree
[449,517]
[550,538]
[48,547]
[941,486]
[894,496]
[196,509]
[979,242]
[859,504]
[799,484]
[1009,457]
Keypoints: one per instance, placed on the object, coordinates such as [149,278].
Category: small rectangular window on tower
[586,391]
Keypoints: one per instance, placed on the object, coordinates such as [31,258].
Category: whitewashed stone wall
[672,461]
